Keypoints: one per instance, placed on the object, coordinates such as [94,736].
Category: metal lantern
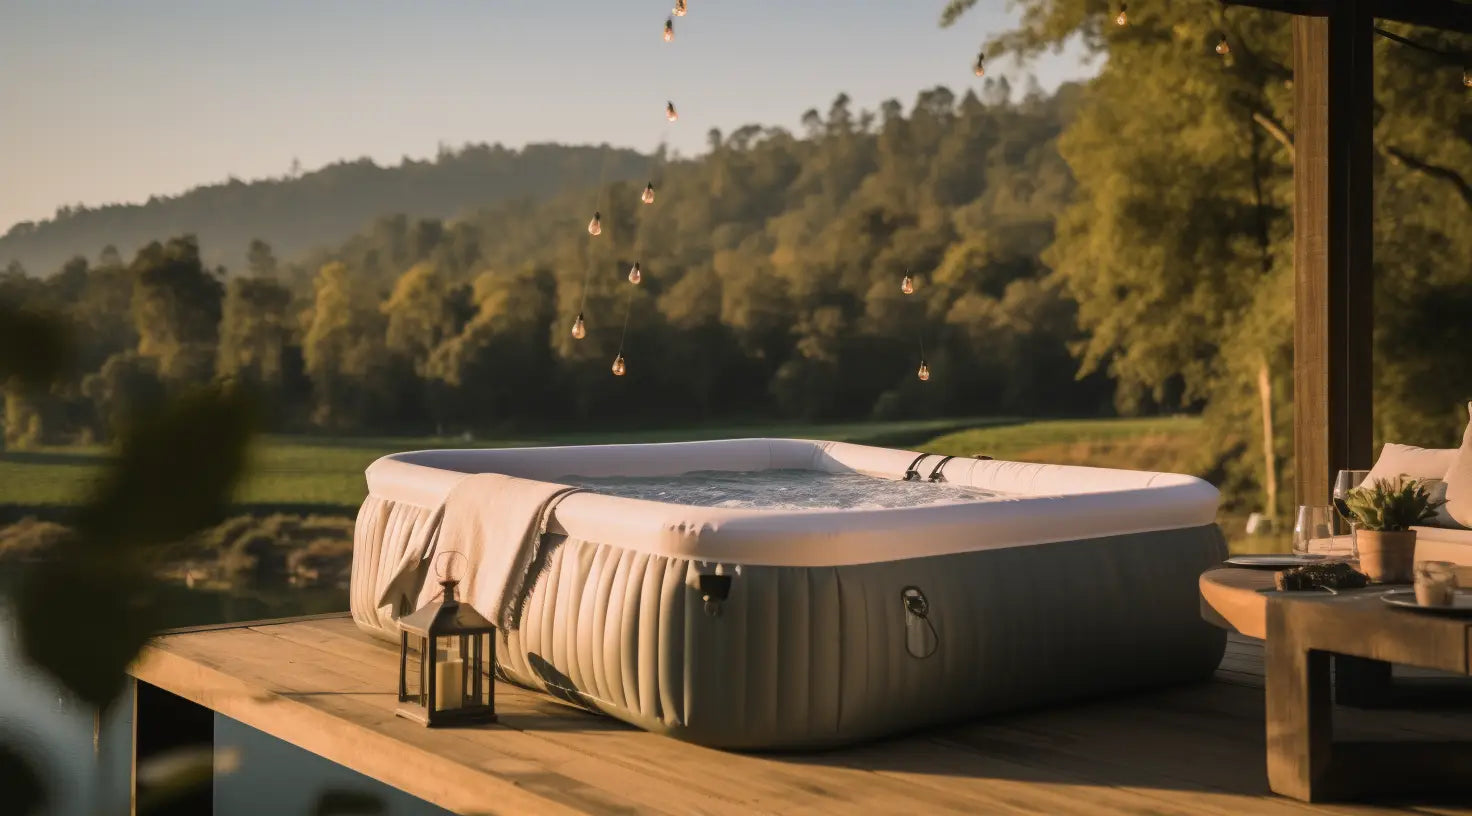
[446,651]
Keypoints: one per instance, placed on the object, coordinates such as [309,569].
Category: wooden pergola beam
[1333,245]
[1449,15]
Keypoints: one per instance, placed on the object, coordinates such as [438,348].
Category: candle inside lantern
[449,680]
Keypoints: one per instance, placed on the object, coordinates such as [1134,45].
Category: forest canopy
[1122,245]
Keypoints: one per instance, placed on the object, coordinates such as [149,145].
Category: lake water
[87,776]
[781,490]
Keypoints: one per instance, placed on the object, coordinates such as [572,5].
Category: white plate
[1406,599]
[1275,561]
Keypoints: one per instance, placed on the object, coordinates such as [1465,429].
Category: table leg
[1299,718]
[1362,683]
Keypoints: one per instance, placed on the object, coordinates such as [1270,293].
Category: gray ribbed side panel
[820,656]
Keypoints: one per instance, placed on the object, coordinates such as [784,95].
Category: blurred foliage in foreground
[83,612]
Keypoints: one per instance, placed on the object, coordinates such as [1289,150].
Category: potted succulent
[1385,512]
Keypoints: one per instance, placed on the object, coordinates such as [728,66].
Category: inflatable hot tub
[1026,584]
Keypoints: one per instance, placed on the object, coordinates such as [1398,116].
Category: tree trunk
[1269,455]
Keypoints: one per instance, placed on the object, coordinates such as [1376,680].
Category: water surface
[782,490]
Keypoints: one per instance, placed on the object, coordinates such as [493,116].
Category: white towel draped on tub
[497,522]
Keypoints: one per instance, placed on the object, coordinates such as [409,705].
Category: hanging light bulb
[595,227]
[980,69]
[908,285]
[669,111]
[679,8]
[669,30]
[924,372]
[1467,76]
[579,330]
[648,197]
[1122,19]
[1222,48]
[636,274]
[618,366]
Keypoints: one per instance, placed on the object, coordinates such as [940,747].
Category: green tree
[255,331]
[343,350]
[176,309]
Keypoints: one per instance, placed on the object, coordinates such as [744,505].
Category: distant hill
[319,208]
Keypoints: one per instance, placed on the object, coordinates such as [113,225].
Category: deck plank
[1187,751]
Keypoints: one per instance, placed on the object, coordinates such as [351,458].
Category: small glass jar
[1436,583]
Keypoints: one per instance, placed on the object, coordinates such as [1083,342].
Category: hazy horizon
[112,104]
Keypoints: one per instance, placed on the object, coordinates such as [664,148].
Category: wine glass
[1346,481]
[1313,529]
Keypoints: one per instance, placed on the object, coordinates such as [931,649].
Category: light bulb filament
[924,372]
[908,285]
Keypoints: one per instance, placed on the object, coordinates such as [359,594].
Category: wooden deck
[325,687]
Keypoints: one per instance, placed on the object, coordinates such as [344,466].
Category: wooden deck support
[325,687]
[1333,246]
[164,723]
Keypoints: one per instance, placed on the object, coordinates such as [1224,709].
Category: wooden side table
[1304,761]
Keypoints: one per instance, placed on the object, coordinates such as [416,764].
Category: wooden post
[1332,211]
[162,723]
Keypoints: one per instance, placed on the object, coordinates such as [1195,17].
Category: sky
[105,101]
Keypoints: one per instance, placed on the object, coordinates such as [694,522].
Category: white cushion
[1459,480]
[1409,460]
[1439,544]
[1437,489]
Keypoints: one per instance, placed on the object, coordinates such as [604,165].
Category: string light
[669,111]
[924,372]
[579,329]
[1467,76]
[669,30]
[648,197]
[908,285]
[618,366]
[1222,48]
[636,274]
[980,69]
[595,227]
[679,8]
[1122,19]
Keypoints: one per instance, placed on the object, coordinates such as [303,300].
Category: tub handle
[920,641]
[911,474]
[936,475]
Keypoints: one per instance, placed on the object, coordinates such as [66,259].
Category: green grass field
[325,475]
[328,472]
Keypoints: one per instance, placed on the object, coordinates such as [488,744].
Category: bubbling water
[781,490]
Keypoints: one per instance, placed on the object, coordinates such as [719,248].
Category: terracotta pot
[1387,557]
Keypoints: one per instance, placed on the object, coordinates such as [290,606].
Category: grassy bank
[325,474]
[322,475]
